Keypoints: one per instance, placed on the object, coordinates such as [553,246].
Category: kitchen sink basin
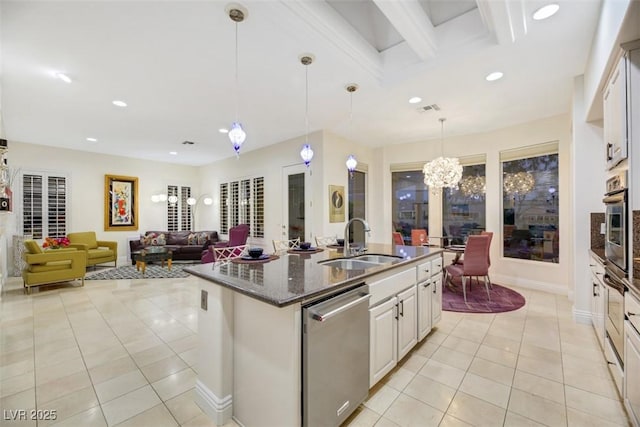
[350,264]
[378,259]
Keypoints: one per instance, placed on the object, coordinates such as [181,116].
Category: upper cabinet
[615,115]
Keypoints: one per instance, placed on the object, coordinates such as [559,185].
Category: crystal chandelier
[236,134]
[519,183]
[443,172]
[473,186]
[306,153]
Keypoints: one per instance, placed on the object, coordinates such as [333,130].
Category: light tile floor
[123,353]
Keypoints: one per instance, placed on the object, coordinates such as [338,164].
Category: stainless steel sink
[378,259]
[350,264]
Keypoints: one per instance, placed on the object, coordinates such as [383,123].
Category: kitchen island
[250,328]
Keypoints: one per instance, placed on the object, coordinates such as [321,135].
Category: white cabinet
[407,321]
[425,322]
[632,358]
[436,298]
[429,277]
[383,350]
[598,303]
[615,115]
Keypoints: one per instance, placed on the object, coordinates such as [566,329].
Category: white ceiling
[173,63]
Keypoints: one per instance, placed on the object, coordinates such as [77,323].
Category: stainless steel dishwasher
[335,357]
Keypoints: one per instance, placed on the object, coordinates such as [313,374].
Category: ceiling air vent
[430,107]
[188,143]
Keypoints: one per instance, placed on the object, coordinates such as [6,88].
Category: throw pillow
[192,239]
[147,239]
[159,240]
[203,238]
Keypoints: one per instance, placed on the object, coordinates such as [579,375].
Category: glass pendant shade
[351,163]
[307,154]
[443,172]
[237,136]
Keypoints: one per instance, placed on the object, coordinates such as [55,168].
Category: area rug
[502,298]
[130,272]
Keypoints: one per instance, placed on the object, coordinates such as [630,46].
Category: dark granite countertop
[298,277]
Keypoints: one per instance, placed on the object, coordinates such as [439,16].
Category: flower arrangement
[55,243]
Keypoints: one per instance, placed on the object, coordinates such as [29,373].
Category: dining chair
[461,259]
[476,263]
[327,240]
[397,238]
[419,237]
[226,253]
[284,245]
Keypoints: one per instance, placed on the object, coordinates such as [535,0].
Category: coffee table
[145,256]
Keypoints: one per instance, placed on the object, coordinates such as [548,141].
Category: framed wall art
[336,203]
[120,203]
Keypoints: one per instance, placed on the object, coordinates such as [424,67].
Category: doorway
[295,219]
[357,204]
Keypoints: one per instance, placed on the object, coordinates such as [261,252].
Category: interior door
[357,204]
[296,188]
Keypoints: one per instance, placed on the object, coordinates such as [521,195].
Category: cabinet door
[407,321]
[615,116]
[383,350]
[424,309]
[632,372]
[436,299]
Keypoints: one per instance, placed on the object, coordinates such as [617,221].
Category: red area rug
[502,298]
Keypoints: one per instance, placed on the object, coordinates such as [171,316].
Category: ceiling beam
[334,28]
[507,20]
[413,24]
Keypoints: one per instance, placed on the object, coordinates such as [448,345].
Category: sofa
[185,245]
[96,251]
[51,266]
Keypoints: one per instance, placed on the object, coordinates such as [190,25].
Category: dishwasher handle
[322,317]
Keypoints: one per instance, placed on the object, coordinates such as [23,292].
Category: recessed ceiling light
[119,103]
[496,75]
[173,153]
[415,100]
[223,130]
[92,140]
[63,77]
[545,12]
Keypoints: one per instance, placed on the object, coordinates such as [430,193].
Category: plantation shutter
[44,207]
[172,209]
[224,208]
[257,225]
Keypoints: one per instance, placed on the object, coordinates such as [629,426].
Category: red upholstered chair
[237,237]
[476,262]
[484,233]
[419,237]
[397,238]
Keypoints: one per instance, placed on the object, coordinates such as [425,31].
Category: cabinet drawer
[632,309]
[436,265]
[391,285]
[424,271]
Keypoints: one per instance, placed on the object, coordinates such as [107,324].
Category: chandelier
[519,183]
[236,134]
[306,153]
[443,172]
[473,186]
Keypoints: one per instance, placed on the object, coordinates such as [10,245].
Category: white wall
[548,276]
[86,172]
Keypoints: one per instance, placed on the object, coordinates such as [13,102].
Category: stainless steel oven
[616,247]
[614,322]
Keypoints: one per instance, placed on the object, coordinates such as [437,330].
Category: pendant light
[306,153]
[236,134]
[351,160]
[443,172]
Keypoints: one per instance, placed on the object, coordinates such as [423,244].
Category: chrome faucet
[347,250]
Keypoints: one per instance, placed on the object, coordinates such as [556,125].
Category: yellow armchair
[52,266]
[97,251]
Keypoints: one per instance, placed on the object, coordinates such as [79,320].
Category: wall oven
[616,228]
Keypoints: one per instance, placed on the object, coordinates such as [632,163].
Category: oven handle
[612,284]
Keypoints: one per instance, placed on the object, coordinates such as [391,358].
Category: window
[242,202]
[530,203]
[44,205]
[179,215]
[463,208]
[409,202]
[357,203]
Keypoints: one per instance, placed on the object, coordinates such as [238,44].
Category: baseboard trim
[529,284]
[219,410]
[582,316]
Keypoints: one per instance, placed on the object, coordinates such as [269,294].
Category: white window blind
[179,213]
[172,209]
[224,208]
[185,209]
[242,202]
[257,223]
[44,205]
